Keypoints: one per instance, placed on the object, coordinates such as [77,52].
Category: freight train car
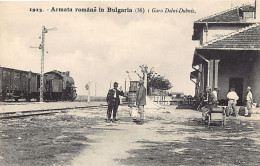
[18,84]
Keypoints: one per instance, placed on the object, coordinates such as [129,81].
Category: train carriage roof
[55,72]
[17,70]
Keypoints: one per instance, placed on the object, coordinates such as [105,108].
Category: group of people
[113,101]
[232,101]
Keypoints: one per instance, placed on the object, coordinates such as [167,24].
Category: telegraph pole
[89,91]
[44,30]
[125,85]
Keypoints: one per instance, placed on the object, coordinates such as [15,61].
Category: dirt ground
[168,137]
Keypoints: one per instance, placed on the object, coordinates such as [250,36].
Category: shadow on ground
[46,140]
[230,145]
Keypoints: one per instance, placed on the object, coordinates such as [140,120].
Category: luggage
[242,111]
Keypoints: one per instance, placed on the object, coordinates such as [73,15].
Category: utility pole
[89,92]
[44,30]
[125,85]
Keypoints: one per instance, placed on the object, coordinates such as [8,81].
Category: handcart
[213,114]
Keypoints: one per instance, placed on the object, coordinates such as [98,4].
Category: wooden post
[125,85]
[88,92]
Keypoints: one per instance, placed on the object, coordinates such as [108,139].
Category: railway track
[19,114]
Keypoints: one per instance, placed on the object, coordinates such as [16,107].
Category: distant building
[229,52]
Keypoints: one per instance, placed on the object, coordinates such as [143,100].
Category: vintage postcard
[107,83]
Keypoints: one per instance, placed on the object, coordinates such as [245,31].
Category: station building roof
[230,15]
[243,43]
[233,16]
[246,39]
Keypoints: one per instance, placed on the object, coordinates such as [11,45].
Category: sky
[100,47]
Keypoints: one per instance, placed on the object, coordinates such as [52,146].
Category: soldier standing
[141,100]
[249,102]
[113,102]
[232,101]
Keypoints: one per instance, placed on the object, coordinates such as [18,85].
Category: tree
[154,80]
[159,82]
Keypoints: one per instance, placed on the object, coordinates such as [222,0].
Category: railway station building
[228,54]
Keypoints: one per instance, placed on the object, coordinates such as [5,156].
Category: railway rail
[19,114]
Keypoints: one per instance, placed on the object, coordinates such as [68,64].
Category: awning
[200,54]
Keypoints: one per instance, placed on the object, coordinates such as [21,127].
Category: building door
[237,83]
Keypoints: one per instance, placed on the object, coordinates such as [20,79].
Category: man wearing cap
[249,102]
[232,101]
[113,102]
[141,100]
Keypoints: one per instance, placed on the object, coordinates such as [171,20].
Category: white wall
[218,31]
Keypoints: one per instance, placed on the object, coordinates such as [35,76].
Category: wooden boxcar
[16,84]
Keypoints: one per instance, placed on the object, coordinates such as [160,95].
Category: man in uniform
[113,102]
[211,101]
[249,102]
[141,100]
[232,101]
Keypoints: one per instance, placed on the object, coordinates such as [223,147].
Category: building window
[248,15]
